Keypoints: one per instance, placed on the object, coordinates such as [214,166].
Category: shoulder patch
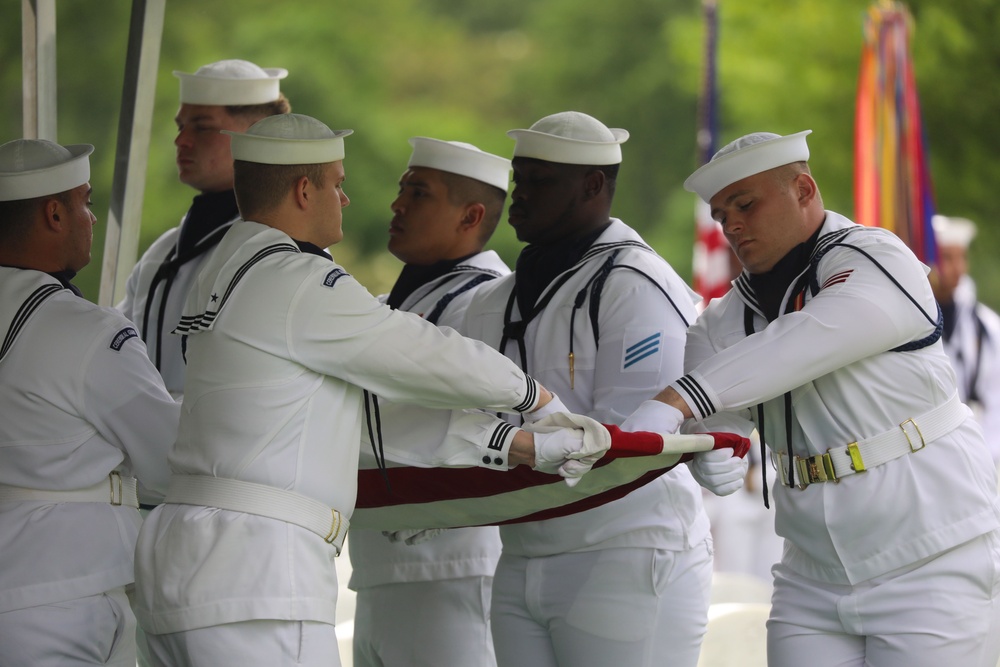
[121,337]
[641,350]
[837,278]
[332,277]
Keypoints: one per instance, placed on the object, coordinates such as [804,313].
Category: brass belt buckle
[115,479]
[923,443]
[813,469]
[335,524]
[857,463]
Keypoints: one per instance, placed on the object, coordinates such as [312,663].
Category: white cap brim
[74,172]
[554,148]
[953,231]
[727,169]
[288,139]
[220,91]
[461,159]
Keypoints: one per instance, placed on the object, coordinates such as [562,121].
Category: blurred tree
[472,69]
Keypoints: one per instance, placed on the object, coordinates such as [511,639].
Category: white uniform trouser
[257,643]
[943,611]
[634,607]
[95,630]
[424,624]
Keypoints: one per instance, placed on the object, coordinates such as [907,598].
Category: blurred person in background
[226,95]
[971,329]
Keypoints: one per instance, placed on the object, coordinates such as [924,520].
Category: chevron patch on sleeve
[641,350]
[837,278]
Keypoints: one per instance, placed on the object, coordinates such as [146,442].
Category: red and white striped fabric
[713,265]
[458,497]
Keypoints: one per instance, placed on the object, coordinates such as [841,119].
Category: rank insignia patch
[332,277]
[837,278]
[640,351]
[119,339]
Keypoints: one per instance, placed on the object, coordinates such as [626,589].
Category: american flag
[713,260]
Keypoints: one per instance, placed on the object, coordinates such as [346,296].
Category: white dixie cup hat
[231,83]
[570,137]
[460,158]
[289,138]
[37,167]
[950,231]
[750,154]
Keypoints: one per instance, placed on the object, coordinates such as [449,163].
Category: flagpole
[712,255]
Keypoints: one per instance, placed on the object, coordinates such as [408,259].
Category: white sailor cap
[231,83]
[750,154]
[288,138]
[570,137]
[460,158]
[953,231]
[36,167]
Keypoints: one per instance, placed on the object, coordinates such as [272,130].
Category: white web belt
[910,436]
[114,490]
[267,501]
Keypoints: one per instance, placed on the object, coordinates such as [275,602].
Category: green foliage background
[471,69]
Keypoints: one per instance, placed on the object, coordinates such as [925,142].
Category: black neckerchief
[64,278]
[413,277]
[770,287]
[949,312]
[538,265]
[208,212]
[312,249]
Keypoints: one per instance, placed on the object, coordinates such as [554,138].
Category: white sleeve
[126,402]
[345,332]
[641,343]
[426,438]
[858,313]
[988,382]
[127,304]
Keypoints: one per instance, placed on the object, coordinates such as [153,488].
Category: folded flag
[459,497]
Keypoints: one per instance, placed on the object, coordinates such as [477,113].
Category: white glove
[655,416]
[552,449]
[719,471]
[412,536]
[550,408]
[574,469]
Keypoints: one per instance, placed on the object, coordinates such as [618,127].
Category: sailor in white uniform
[971,329]
[236,566]
[225,95]
[84,414]
[427,602]
[601,317]
[830,343]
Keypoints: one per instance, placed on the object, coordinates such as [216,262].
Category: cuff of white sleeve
[532,395]
[697,394]
[495,448]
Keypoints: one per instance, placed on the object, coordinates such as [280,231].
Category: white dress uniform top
[463,552]
[84,412]
[80,400]
[282,362]
[163,316]
[849,387]
[609,381]
[974,351]
[891,554]
[158,284]
[596,580]
[466,557]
